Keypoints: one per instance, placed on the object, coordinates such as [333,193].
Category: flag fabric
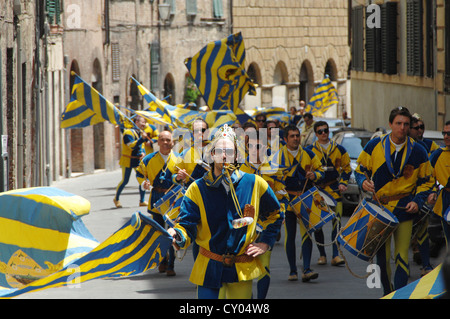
[324,97]
[218,71]
[273,113]
[88,107]
[430,286]
[137,246]
[182,117]
[41,231]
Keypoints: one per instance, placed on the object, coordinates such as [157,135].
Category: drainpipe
[18,11]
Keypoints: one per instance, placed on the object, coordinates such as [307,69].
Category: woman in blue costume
[220,212]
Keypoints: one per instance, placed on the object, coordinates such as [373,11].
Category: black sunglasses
[446,133]
[325,130]
[421,127]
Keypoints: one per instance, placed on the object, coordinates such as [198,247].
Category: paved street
[104,219]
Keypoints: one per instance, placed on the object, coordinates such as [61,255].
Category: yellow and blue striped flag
[183,117]
[40,232]
[324,97]
[136,247]
[430,286]
[218,71]
[88,107]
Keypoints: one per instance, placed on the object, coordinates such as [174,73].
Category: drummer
[441,170]
[155,170]
[297,167]
[397,171]
[336,164]
[257,163]
[210,214]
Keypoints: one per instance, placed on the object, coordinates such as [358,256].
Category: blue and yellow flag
[219,73]
[324,97]
[136,247]
[183,117]
[430,286]
[40,232]
[88,107]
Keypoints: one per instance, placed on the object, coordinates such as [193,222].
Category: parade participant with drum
[336,165]
[257,163]
[440,160]
[299,168]
[155,171]
[398,173]
[220,212]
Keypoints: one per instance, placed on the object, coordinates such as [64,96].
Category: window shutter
[414,34]
[115,57]
[357,20]
[389,38]
[154,56]
[373,49]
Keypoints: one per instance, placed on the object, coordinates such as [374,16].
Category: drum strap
[386,199]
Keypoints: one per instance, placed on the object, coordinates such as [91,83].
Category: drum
[163,204]
[367,230]
[447,215]
[170,217]
[314,208]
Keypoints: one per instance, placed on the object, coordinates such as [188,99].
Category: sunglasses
[226,151]
[419,127]
[446,133]
[320,132]
[257,146]
[203,130]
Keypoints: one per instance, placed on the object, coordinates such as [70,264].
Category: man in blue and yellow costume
[156,170]
[132,153]
[257,163]
[397,171]
[220,212]
[299,167]
[336,164]
[440,162]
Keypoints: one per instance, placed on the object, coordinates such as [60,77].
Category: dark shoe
[170,273]
[308,275]
[162,267]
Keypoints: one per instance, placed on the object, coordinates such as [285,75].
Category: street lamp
[164,11]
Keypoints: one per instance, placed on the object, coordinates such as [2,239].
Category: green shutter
[389,38]
[414,35]
[191,7]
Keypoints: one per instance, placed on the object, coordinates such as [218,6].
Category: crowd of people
[238,184]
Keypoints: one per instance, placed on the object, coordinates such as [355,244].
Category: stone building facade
[290,47]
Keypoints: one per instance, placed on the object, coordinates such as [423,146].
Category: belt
[386,199]
[228,260]
[160,190]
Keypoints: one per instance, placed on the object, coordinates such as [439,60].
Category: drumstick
[186,174]
[374,193]
[307,179]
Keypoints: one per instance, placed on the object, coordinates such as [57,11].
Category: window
[115,57]
[191,7]
[389,38]
[217,9]
[357,21]
[53,8]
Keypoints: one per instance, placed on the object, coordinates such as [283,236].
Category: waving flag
[218,70]
[324,97]
[88,107]
[137,246]
[181,116]
[40,232]
[430,286]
